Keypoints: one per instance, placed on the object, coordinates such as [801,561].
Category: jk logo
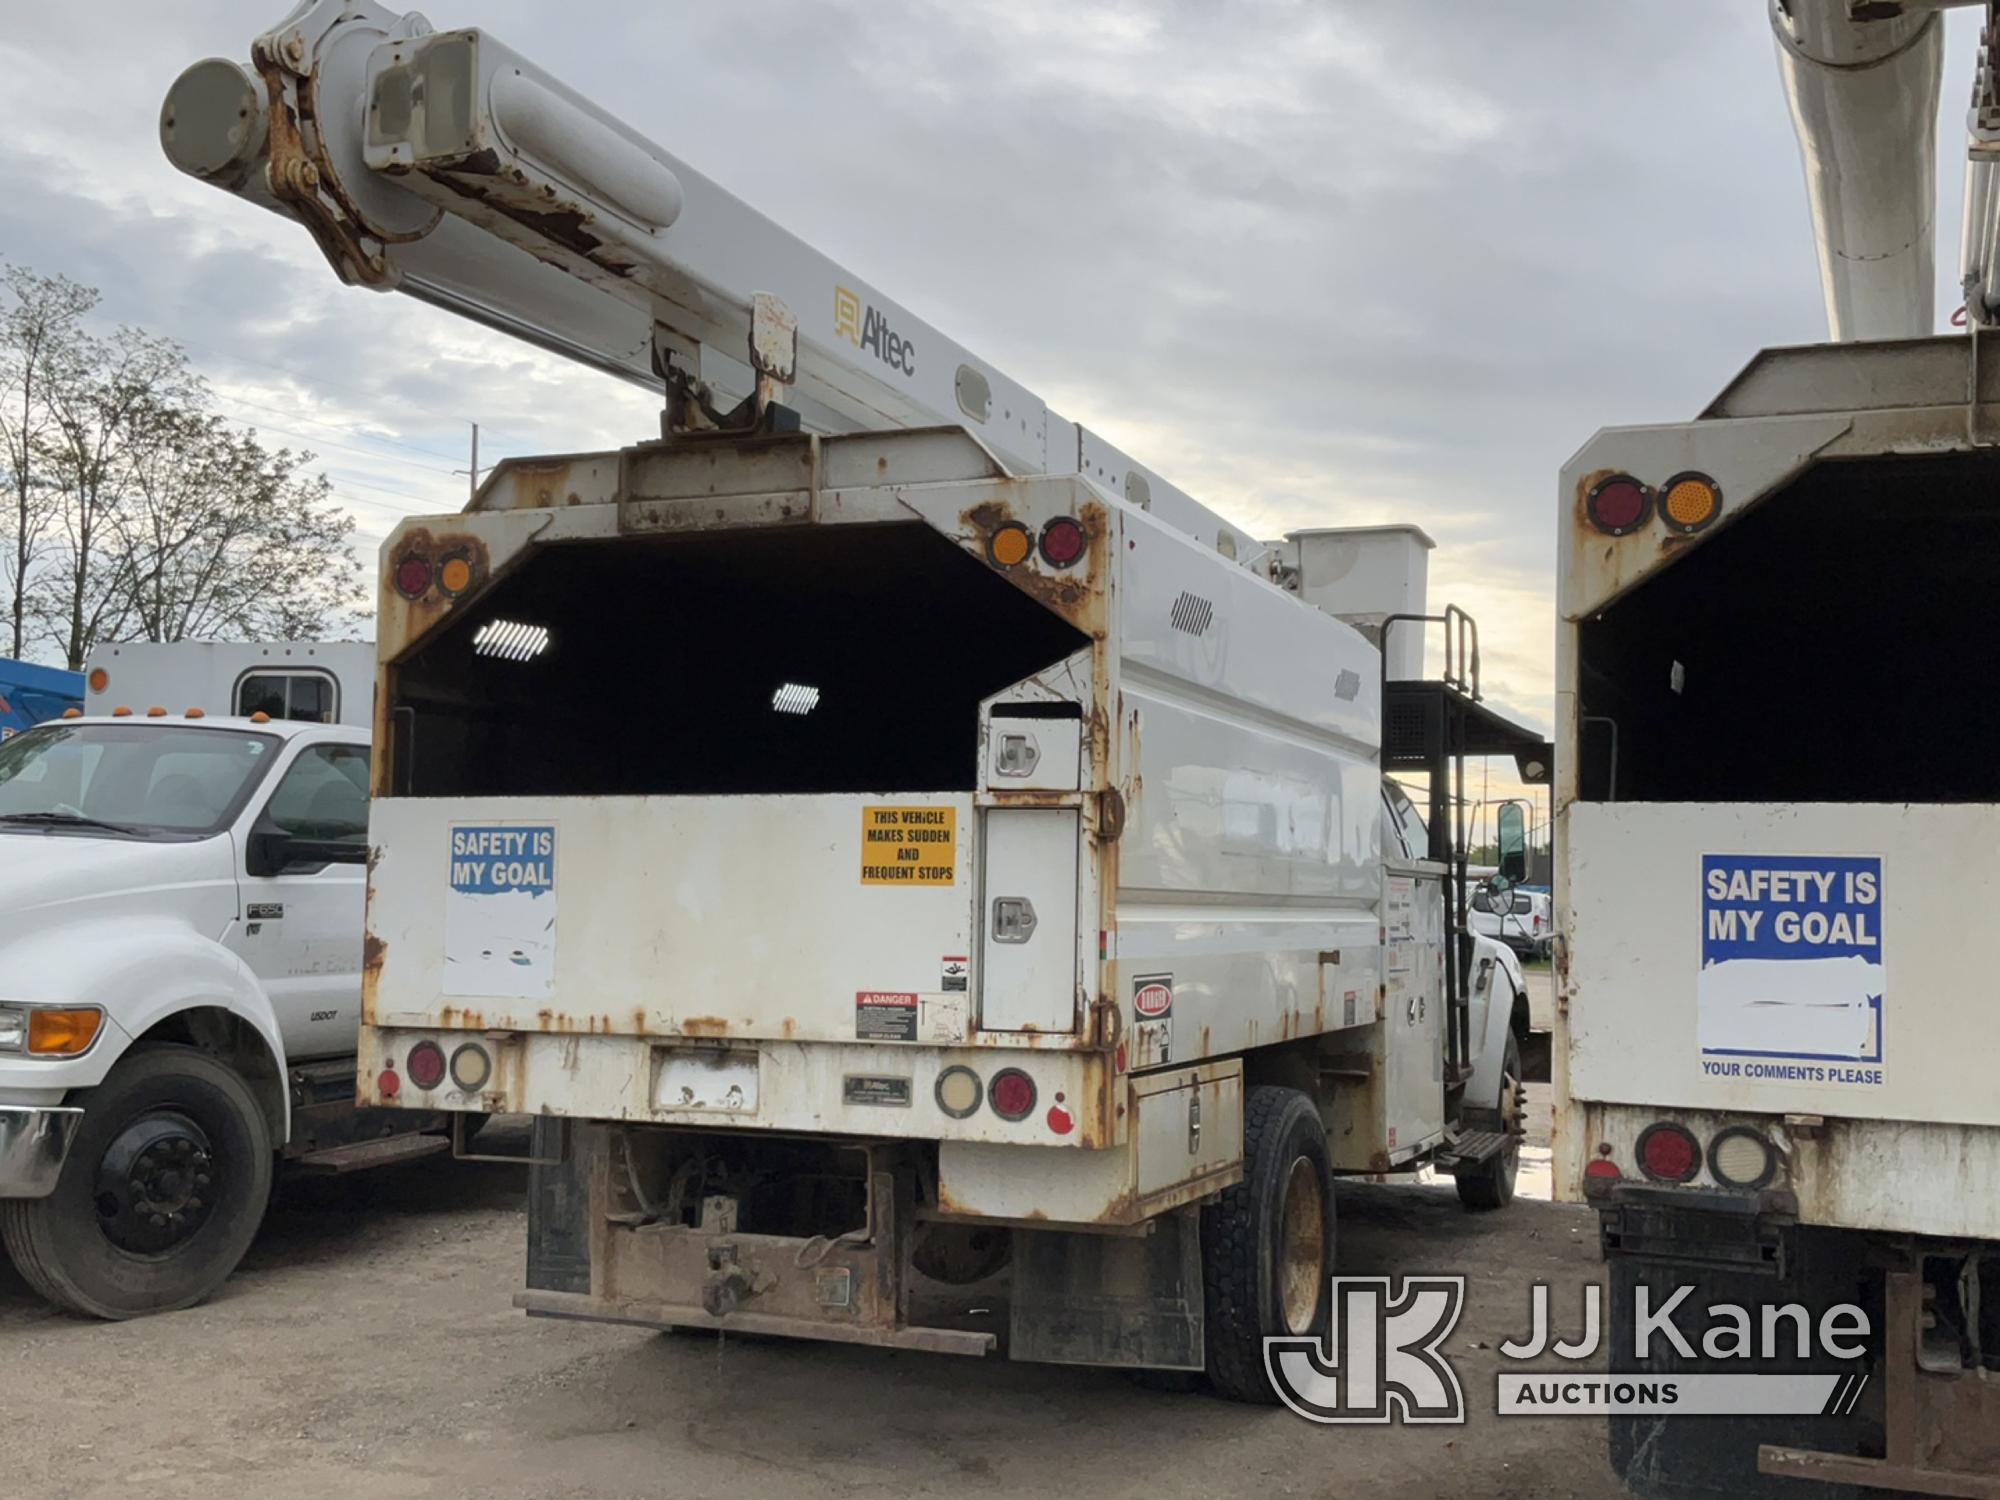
[1381,1359]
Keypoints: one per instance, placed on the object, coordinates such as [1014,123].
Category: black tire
[64,1245]
[1243,1243]
[1490,1185]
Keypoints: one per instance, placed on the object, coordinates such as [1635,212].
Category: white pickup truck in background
[181,904]
[1520,918]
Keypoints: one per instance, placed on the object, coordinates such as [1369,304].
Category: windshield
[140,780]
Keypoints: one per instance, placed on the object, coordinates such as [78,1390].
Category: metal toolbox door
[1027,974]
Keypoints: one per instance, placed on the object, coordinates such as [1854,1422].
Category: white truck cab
[181,902]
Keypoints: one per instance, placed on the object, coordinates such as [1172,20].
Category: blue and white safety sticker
[1791,986]
[500,911]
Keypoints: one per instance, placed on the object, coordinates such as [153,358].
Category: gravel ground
[368,1347]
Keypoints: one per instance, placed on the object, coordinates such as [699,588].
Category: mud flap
[1708,1458]
[558,1207]
[1110,1299]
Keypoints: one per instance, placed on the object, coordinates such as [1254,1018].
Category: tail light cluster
[415,574]
[1737,1156]
[1619,504]
[1062,543]
[425,1066]
[1009,1093]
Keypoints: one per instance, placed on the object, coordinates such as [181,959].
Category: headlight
[49,1031]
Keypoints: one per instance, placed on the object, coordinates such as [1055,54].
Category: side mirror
[272,851]
[1513,844]
[267,851]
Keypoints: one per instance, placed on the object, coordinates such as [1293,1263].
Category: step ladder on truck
[998,867]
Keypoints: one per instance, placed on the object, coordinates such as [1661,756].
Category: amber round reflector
[1741,1158]
[958,1092]
[99,679]
[1063,542]
[1010,544]
[121,712]
[471,1067]
[260,717]
[1618,505]
[1690,501]
[72,713]
[455,577]
[413,576]
[195,713]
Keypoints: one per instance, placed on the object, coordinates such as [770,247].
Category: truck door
[302,877]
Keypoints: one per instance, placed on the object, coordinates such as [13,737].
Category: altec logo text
[1383,1358]
[866,328]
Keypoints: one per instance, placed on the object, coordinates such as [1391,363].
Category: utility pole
[474,471]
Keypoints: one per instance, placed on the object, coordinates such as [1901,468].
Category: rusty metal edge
[1877,1473]
[582,1306]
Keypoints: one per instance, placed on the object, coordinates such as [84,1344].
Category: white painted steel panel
[722,916]
[1029,985]
[1634,930]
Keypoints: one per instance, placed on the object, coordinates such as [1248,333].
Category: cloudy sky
[1320,263]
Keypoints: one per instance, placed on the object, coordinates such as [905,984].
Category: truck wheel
[162,1193]
[1491,1183]
[1267,1243]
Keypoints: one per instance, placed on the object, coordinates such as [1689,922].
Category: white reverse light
[510,640]
[795,698]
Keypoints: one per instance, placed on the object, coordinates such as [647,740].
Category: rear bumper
[34,1144]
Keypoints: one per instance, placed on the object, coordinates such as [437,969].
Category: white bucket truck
[987,859]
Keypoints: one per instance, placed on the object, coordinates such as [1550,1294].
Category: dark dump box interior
[1836,643]
[663,657]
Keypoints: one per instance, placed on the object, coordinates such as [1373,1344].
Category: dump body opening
[805,660]
[1830,645]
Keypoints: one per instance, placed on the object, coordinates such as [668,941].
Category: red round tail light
[413,576]
[1012,1094]
[1063,542]
[425,1065]
[1600,1175]
[1619,504]
[387,1084]
[1668,1152]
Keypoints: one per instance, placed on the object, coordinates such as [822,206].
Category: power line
[345,427]
[319,442]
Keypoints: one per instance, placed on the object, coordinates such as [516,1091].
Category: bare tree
[131,383]
[217,537]
[40,354]
[136,512]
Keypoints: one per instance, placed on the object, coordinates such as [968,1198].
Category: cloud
[1318,263]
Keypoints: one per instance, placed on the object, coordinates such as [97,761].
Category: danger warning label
[885,1016]
[909,845]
